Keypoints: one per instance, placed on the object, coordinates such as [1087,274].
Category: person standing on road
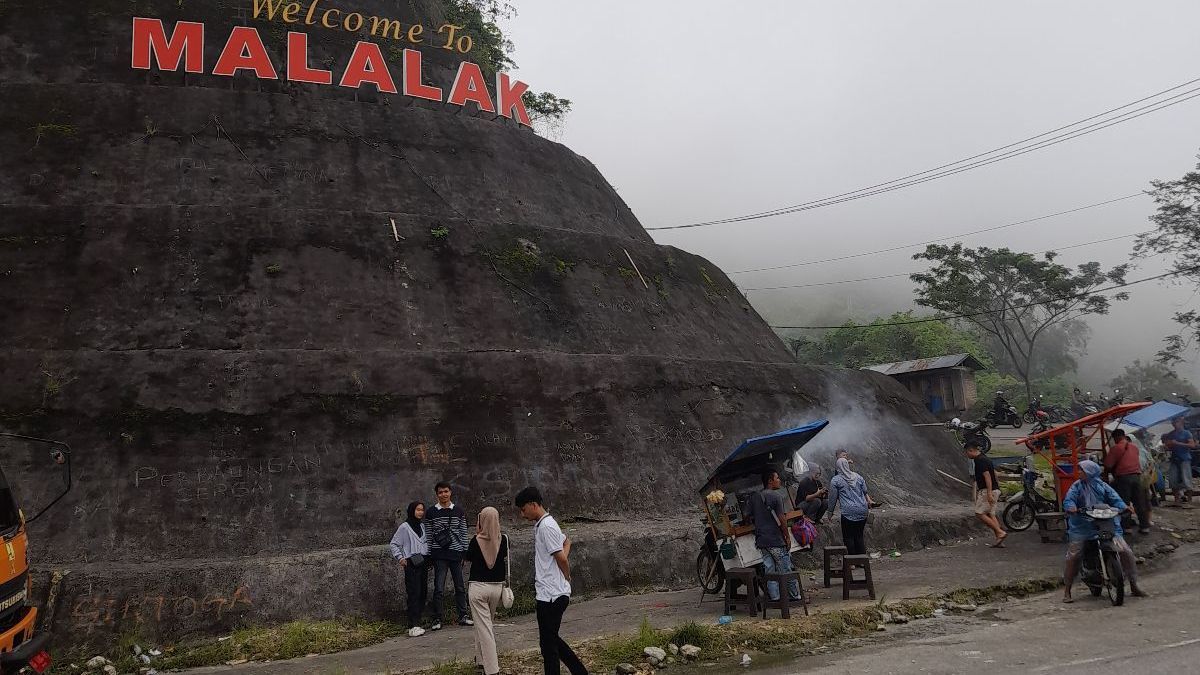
[551,581]
[987,493]
[771,535]
[447,537]
[1084,495]
[811,494]
[488,555]
[409,547]
[1123,462]
[1180,443]
[848,494]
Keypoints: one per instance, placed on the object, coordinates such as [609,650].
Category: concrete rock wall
[201,291]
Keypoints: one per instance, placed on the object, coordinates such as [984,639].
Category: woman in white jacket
[410,548]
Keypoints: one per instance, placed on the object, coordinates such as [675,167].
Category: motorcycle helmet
[956,422]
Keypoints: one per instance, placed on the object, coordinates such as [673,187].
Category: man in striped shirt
[446,534]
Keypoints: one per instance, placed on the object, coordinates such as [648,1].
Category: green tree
[1058,348]
[1011,296]
[1177,233]
[1150,380]
[854,345]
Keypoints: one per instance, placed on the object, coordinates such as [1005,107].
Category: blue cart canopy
[1154,414]
[750,455]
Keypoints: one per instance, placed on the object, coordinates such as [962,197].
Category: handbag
[416,560]
[506,594]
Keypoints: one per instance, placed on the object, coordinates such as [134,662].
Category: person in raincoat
[1084,495]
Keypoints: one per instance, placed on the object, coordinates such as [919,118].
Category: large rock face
[202,292]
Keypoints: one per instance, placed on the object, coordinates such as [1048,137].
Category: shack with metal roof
[945,384]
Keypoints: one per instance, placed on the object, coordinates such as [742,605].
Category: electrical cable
[938,172]
[969,315]
[946,238]
[904,274]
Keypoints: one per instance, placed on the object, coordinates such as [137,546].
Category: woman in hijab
[848,494]
[1085,494]
[488,554]
[409,547]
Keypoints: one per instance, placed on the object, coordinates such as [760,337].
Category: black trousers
[815,510]
[853,536]
[1131,492]
[554,648]
[460,589]
[416,591]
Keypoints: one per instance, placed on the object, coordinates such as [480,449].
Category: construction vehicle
[22,645]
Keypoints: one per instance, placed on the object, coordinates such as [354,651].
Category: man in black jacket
[446,534]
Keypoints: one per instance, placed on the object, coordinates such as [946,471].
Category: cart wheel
[710,572]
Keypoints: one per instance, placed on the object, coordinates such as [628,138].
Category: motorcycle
[1024,506]
[1006,415]
[967,432]
[1100,565]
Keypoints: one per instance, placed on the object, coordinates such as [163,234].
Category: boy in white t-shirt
[552,582]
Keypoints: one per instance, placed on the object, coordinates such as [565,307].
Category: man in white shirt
[552,582]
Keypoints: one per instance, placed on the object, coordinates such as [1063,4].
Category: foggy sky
[700,110]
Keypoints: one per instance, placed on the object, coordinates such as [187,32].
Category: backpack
[804,531]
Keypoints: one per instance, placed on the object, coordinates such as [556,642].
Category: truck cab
[19,646]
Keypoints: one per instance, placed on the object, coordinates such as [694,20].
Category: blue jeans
[454,567]
[778,560]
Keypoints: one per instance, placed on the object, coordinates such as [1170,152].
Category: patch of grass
[454,666]
[692,633]
[563,268]
[44,131]
[287,641]
[629,649]
[440,232]
[273,270]
[1016,589]
[518,261]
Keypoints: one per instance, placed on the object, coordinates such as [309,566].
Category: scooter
[1006,415]
[1024,506]
[1100,565]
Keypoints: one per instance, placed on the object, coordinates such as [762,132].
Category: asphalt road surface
[1159,634]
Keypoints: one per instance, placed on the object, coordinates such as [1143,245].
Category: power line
[969,315]
[937,172]
[904,274]
[934,241]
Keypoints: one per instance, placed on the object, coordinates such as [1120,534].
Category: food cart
[729,534]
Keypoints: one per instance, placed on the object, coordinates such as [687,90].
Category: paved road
[1155,635]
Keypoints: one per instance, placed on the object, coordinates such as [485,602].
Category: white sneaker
[416,631]
[436,626]
[466,622]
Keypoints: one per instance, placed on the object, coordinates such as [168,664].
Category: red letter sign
[368,65]
[297,69]
[149,36]
[509,95]
[245,51]
[469,86]
[413,86]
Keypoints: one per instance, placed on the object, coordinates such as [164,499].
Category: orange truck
[22,645]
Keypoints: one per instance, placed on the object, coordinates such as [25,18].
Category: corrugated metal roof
[934,363]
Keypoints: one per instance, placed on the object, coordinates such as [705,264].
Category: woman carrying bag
[410,548]
[488,554]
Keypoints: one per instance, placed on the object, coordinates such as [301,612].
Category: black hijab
[413,521]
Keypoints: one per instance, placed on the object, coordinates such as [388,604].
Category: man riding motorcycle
[1000,406]
[1084,495]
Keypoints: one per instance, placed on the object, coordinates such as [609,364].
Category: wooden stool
[849,583]
[748,577]
[785,602]
[831,572]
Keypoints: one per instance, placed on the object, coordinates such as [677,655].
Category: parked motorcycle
[1100,566]
[1024,506]
[967,432]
